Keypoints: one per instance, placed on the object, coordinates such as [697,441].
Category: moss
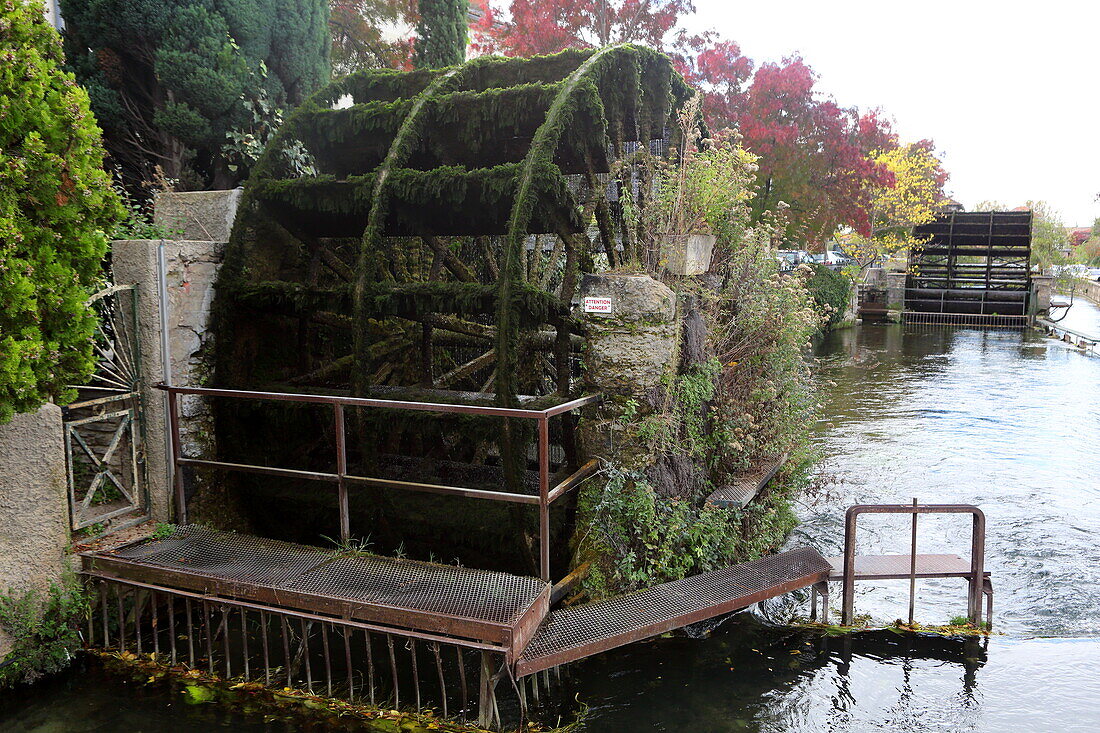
[470,151]
[296,709]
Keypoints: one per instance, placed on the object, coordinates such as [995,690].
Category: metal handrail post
[174,441]
[341,471]
[849,580]
[977,565]
[544,498]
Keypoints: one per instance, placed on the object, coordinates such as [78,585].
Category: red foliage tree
[546,26]
[814,155]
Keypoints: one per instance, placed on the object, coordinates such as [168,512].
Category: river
[1006,420]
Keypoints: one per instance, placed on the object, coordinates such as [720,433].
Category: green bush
[56,205]
[830,290]
[44,636]
[635,539]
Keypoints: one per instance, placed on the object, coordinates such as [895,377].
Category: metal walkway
[478,609]
[745,486]
[574,633]
[422,599]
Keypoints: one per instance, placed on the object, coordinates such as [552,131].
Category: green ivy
[634,538]
[56,208]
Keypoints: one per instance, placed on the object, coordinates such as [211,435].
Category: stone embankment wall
[1091,291]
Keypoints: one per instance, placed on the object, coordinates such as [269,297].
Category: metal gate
[104,431]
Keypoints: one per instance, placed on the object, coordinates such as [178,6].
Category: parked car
[1093,274]
[832,260]
[1074,270]
[791,258]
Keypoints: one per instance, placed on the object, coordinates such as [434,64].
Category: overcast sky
[1008,90]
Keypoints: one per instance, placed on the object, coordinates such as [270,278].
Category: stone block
[687,254]
[630,349]
[198,215]
[895,290]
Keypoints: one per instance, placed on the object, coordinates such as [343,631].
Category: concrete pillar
[191,269]
[34,505]
[1041,288]
[200,222]
[895,290]
[632,343]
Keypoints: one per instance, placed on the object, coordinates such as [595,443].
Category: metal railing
[975,576]
[547,495]
[1089,343]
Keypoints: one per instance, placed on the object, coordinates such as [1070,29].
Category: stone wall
[629,351]
[34,533]
[1091,291]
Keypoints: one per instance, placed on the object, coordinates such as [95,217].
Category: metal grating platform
[573,633]
[484,605]
[746,486]
[893,567]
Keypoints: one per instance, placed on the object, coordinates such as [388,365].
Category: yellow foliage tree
[894,210]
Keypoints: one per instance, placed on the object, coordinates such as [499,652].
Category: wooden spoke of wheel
[456,266]
[334,263]
[490,258]
[466,370]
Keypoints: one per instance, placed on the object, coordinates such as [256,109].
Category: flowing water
[1005,420]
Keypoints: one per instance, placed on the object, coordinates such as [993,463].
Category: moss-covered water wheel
[421,235]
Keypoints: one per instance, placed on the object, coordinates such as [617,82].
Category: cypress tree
[441,33]
[56,205]
[170,79]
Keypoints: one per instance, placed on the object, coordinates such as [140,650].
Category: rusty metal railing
[280,647]
[975,576]
[546,495]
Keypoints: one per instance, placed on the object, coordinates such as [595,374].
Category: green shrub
[830,290]
[44,636]
[634,538]
[441,33]
[56,205]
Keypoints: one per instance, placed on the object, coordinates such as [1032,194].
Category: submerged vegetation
[293,707]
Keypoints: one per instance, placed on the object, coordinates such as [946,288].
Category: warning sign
[597,305]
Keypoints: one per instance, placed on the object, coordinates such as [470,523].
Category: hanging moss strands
[428,229]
